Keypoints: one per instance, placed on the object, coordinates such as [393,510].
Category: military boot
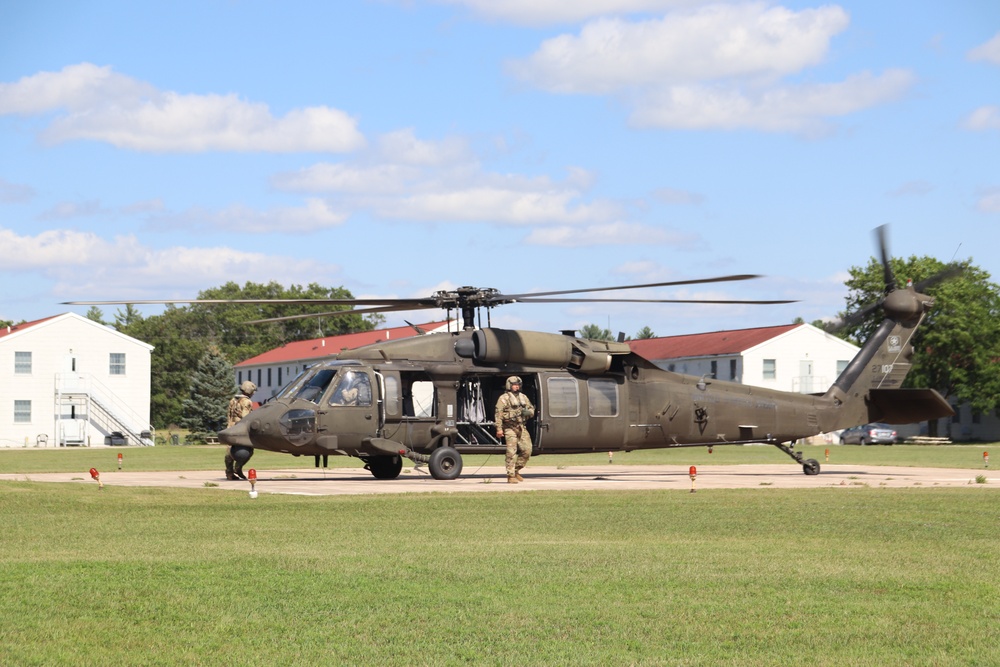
[518,477]
[230,472]
[512,479]
[238,471]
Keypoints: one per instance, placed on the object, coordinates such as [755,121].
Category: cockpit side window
[353,388]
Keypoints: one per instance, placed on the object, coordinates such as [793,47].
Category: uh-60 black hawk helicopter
[430,398]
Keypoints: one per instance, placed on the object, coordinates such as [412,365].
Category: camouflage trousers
[518,448]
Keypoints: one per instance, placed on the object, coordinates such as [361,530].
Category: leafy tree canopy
[595,332]
[182,335]
[645,333]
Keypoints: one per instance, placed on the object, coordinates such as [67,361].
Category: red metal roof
[707,344]
[22,326]
[319,348]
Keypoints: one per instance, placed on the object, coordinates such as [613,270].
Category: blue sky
[399,147]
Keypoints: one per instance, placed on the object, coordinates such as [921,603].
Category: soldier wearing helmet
[513,411]
[240,406]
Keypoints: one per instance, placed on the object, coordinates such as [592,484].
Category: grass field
[133,576]
[207,457]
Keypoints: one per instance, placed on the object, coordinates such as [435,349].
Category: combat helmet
[512,380]
[248,388]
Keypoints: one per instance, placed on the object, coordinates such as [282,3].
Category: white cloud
[781,109]
[674,196]
[911,189]
[542,12]
[350,179]
[988,52]
[989,201]
[98,104]
[724,66]
[15,193]
[408,179]
[86,265]
[713,43]
[983,118]
[615,233]
[498,205]
[403,147]
[316,215]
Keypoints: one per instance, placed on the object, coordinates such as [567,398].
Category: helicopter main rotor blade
[720,301]
[697,281]
[338,313]
[417,303]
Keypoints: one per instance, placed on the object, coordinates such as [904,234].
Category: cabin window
[22,412]
[22,363]
[564,399]
[117,364]
[770,369]
[391,395]
[602,395]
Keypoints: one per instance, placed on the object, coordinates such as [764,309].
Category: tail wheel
[445,463]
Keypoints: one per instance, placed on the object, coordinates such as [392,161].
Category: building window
[732,369]
[239,377]
[268,377]
[770,369]
[279,377]
[841,366]
[22,412]
[715,368]
[22,363]
[117,363]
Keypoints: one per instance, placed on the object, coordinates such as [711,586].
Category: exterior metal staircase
[81,400]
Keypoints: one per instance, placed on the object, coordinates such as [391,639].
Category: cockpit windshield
[312,388]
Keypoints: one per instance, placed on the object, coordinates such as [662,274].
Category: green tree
[645,333]
[126,318]
[595,332]
[96,314]
[210,390]
[957,348]
[182,335]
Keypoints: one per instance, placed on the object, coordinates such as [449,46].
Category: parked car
[869,434]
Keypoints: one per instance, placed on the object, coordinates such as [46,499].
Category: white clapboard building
[67,380]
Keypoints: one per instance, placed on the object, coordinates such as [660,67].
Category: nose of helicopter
[237,434]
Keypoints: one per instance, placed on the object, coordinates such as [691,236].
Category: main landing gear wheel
[810,467]
[385,467]
[445,463]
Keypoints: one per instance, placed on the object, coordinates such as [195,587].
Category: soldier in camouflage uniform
[239,407]
[514,409]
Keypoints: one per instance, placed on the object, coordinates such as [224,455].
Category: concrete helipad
[346,481]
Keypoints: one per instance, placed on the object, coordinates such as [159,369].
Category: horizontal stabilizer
[906,406]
